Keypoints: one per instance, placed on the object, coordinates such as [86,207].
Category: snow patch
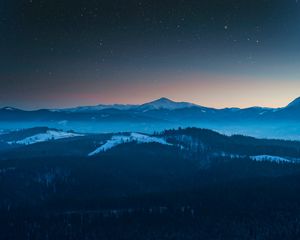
[47,136]
[269,158]
[133,137]
[9,109]
[141,138]
[225,154]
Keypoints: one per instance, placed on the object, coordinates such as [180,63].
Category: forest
[154,191]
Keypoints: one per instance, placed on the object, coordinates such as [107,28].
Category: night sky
[217,53]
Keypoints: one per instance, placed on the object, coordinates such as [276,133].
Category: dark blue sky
[57,53]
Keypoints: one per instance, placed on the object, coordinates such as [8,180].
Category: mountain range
[165,103]
[162,103]
[161,114]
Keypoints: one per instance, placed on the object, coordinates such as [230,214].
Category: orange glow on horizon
[217,91]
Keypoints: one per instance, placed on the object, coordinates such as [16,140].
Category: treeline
[236,144]
[263,208]
[154,191]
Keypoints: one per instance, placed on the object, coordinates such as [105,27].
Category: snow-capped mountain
[165,103]
[162,103]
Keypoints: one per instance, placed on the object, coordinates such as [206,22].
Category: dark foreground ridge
[179,184]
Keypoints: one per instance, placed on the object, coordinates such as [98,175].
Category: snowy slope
[276,159]
[133,137]
[47,136]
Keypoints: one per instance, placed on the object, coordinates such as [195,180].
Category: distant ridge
[161,103]
[161,114]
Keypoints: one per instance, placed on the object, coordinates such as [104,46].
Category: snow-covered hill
[43,137]
[133,137]
[191,143]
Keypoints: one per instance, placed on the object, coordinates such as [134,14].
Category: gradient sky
[217,53]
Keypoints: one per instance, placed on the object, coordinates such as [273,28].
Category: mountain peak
[162,100]
[165,103]
[294,103]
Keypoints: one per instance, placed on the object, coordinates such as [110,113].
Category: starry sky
[217,53]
